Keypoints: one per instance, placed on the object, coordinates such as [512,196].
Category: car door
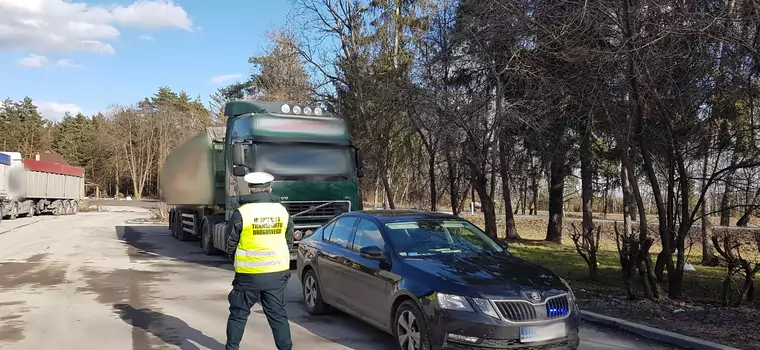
[332,259]
[370,279]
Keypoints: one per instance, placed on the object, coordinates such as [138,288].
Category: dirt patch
[11,303]
[730,326]
[11,332]
[11,324]
[117,285]
[33,272]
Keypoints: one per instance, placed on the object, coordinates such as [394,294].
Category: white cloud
[54,111]
[33,61]
[67,63]
[225,78]
[71,25]
[147,38]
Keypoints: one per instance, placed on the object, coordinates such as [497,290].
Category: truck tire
[74,207]
[173,223]
[69,208]
[31,210]
[207,243]
[13,214]
[58,209]
[183,235]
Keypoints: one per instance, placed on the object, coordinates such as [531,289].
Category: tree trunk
[509,217]
[453,188]
[725,201]
[556,196]
[708,252]
[431,174]
[587,178]
[486,203]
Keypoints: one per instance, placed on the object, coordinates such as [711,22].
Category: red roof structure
[54,168]
[51,156]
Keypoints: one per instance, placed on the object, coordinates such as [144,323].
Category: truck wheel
[183,235]
[173,223]
[74,207]
[31,210]
[58,209]
[14,212]
[207,243]
[69,208]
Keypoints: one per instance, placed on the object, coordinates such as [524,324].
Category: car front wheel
[410,327]
[312,294]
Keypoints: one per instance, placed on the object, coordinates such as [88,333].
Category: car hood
[505,275]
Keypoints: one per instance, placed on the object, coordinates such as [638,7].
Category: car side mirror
[239,170]
[502,243]
[237,155]
[371,252]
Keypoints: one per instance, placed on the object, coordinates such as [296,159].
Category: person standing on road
[259,237]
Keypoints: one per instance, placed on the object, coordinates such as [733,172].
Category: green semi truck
[308,150]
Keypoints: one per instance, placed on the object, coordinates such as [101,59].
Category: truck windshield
[300,160]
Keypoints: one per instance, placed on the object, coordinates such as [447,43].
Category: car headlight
[297,235]
[453,302]
[569,290]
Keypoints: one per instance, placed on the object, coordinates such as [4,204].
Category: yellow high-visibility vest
[263,247]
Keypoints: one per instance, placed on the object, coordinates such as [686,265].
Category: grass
[702,285]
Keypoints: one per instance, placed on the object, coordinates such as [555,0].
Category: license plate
[542,333]
[293,256]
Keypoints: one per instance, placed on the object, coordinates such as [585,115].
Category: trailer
[31,187]
[309,152]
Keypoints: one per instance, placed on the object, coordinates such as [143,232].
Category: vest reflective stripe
[263,247]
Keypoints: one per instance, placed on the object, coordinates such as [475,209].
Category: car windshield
[433,237]
[299,161]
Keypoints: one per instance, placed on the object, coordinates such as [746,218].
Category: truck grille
[523,311]
[327,211]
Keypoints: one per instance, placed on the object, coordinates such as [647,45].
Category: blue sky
[84,55]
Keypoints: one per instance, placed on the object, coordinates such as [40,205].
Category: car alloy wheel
[310,291]
[312,295]
[410,327]
[408,331]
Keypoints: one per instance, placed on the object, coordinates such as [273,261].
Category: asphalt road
[95,281]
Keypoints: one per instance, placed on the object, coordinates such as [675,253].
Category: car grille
[327,211]
[511,344]
[523,311]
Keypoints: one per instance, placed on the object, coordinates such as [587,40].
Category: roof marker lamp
[453,302]
[296,109]
[285,108]
[307,110]
[317,111]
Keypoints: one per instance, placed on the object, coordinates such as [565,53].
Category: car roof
[396,215]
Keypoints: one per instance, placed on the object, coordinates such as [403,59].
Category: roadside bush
[161,212]
[739,250]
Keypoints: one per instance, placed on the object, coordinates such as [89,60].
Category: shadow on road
[149,241]
[146,242]
[169,329]
[335,327]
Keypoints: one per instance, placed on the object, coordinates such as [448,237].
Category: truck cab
[308,151]
[315,165]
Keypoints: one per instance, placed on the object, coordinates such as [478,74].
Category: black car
[435,281]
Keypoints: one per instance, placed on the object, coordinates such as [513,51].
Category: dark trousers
[242,299]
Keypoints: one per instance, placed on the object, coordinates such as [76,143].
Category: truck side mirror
[237,155]
[239,170]
[359,163]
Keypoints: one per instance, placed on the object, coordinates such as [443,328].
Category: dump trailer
[31,187]
[315,165]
